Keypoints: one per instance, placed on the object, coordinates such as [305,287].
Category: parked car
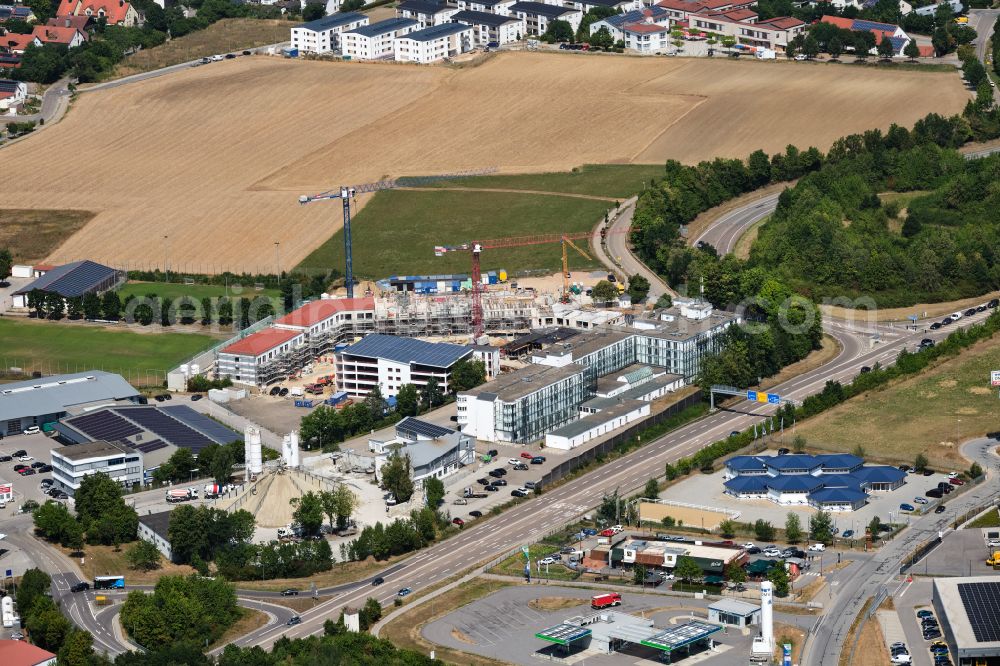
[248,53]
[935,493]
[490,488]
[847,534]
[935,326]
[817,547]
[925,613]
[772,552]
[520,467]
[476,514]
[37,464]
[920,500]
[513,461]
[538,460]
[753,550]
[955,481]
[496,473]
[32,430]
[196,397]
[970,312]
[26,458]
[27,471]
[483,481]
[607,533]
[547,560]
[517,492]
[45,468]
[525,454]
[458,521]
[492,453]
[80,587]
[500,482]
[6,458]
[906,507]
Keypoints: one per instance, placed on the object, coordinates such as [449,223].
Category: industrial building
[155,432]
[834,482]
[78,278]
[969,611]
[434,451]
[39,402]
[120,462]
[323,35]
[389,362]
[155,528]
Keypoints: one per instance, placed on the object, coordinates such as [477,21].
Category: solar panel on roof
[408,350]
[203,424]
[981,607]
[422,428]
[148,447]
[166,427]
[105,425]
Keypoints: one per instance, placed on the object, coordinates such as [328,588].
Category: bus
[109,582]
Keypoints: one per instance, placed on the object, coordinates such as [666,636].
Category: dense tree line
[398,537]
[198,534]
[102,516]
[250,561]
[194,608]
[109,44]
[832,235]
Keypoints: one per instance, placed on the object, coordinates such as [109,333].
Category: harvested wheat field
[214,158]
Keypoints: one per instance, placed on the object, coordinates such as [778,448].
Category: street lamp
[277,259]
[166,257]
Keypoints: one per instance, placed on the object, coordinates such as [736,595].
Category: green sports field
[53,347]
[618,181]
[396,232]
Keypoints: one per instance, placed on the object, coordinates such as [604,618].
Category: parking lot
[708,490]
[39,447]
[961,553]
[911,598]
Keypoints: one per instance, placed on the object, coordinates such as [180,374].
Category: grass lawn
[404,631]
[104,561]
[341,573]
[989,519]
[929,413]
[395,233]
[54,347]
[249,620]
[31,235]
[173,290]
[603,180]
[514,565]
[223,36]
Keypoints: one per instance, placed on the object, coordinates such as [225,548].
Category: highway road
[726,231]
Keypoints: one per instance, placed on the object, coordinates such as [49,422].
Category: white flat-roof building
[435,451]
[597,423]
[376,41]
[323,35]
[426,13]
[71,463]
[538,15]
[967,609]
[501,7]
[155,528]
[389,362]
[435,43]
[491,28]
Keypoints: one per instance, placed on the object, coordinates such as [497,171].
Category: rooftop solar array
[408,350]
[167,427]
[413,426]
[104,424]
[149,447]
[203,424]
[982,607]
[563,634]
[685,634]
[75,279]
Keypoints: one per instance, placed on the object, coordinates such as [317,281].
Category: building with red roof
[116,12]
[321,315]
[16,44]
[19,653]
[55,34]
[241,360]
[889,31]
[78,22]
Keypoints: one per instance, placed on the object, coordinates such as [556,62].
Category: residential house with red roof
[19,653]
[78,22]
[116,12]
[55,34]
[16,44]
[773,34]
[889,31]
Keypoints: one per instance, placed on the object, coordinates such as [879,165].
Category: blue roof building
[833,482]
[389,362]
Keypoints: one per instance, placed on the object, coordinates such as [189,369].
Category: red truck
[315,389]
[608,600]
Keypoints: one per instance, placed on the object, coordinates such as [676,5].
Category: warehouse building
[969,611]
[71,280]
[70,464]
[390,362]
[323,35]
[38,402]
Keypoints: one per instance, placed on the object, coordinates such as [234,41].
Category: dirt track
[214,158]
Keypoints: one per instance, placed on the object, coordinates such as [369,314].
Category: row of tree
[102,516]
[192,608]
[250,561]
[215,461]
[398,537]
[199,533]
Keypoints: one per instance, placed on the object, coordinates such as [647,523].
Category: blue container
[298,403]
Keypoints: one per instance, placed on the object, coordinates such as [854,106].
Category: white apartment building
[426,13]
[323,35]
[376,41]
[327,314]
[490,28]
[389,362]
[501,7]
[71,463]
[538,15]
[241,360]
[434,43]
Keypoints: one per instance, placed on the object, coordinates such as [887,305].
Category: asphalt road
[726,231]
[619,255]
[982,21]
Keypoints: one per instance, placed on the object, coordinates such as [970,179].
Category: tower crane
[347,193]
[476,248]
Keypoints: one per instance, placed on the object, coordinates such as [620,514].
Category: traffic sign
[752,396]
[995,378]
[773,398]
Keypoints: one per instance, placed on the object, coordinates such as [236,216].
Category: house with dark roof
[72,280]
[389,362]
[426,13]
[155,528]
[377,40]
[17,13]
[323,35]
[893,33]
[833,482]
[12,94]
[488,27]
[434,451]
[617,5]
[434,43]
[538,15]
[644,30]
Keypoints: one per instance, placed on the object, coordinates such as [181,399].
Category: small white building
[612,415]
[490,28]
[734,612]
[155,528]
[426,13]
[538,15]
[71,463]
[376,41]
[323,35]
[12,94]
[501,7]
[434,43]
